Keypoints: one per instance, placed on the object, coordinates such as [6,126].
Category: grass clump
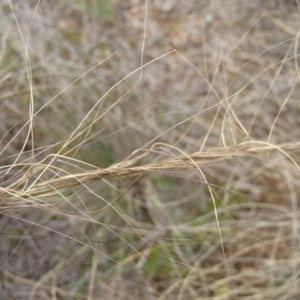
[149,150]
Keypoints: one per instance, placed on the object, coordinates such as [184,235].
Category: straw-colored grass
[149,150]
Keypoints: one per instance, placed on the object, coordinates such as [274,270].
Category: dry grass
[149,150]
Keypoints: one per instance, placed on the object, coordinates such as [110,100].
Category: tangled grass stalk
[43,180]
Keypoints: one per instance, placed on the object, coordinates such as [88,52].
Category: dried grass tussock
[149,150]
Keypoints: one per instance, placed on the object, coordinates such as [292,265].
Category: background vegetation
[149,150]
